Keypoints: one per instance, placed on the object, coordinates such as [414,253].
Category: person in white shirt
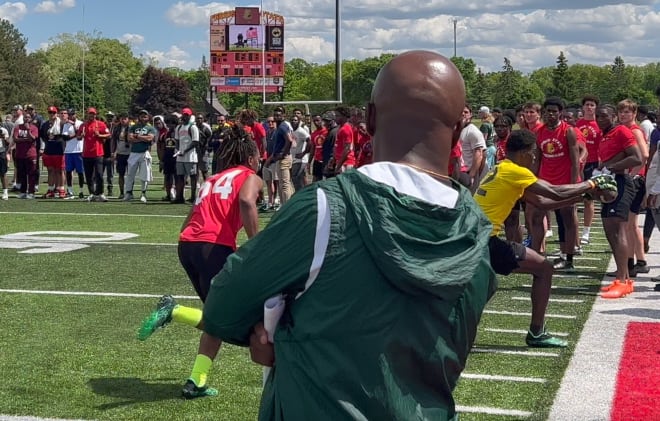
[186,135]
[72,152]
[299,153]
[5,157]
[474,148]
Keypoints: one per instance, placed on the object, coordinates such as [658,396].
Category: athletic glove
[604,182]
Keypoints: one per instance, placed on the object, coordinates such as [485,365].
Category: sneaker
[527,242]
[121,196]
[641,268]
[62,194]
[166,199]
[69,195]
[49,195]
[128,197]
[191,390]
[562,264]
[91,198]
[143,199]
[656,287]
[177,201]
[22,196]
[619,290]
[549,234]
[102,198]
[606,288]
[5,196]
[578,250]
[158,318]
[544,340]
[29,196]
[584,240]
[81,195]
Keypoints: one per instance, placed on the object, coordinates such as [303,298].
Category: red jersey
[216,216]
[555,157]
[258,134]
[26,150]
[92,144]
[455,154]
[592,136]
[344,137]
[366,151]
[617,140]
[536,128]
[318,137]
[500,146]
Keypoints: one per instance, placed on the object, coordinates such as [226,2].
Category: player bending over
[507,182]
[226,203]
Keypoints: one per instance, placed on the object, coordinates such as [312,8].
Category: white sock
[586,231]
[5,191]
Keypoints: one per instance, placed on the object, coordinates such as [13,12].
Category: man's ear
[456,134]
[371,119]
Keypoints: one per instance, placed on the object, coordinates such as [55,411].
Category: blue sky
[530,33]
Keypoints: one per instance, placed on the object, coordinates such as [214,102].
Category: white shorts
[271,172]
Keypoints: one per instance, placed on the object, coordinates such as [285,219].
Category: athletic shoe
[70,195]
[81,195]
[191,391]
[62,194]
[22,196]
[128,197]
[619,290]
[527,242]
[656,287]
[548,233]
[578,250]
[177,201]
[544,340]
[641,268]
[121,196]
[91,198]
[102,198]
[563,265]
[158,318]
[584,240]
[166,199]
[143,199]
[5,196]
[49,195]
[29,196]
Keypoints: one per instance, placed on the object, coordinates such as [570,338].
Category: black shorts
[169,166]
[639,183]
[620,208]
[588,171]
[3,163]
[317,169]
[202,261]
[505,255]
[122,164]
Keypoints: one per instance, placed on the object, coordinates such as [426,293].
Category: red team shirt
[500,149]
[617,140]
[555,158]
[365,155]
[592,135]
[344,137]
[258,134]
[93,145]
[536,128]
[216,216]
[318,137]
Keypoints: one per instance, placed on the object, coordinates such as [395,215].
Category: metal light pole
[454,21]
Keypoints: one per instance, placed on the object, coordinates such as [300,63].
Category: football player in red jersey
[225,204]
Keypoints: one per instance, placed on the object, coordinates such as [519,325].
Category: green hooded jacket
[383,329]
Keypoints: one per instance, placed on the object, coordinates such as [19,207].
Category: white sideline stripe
[473,376]
[586,267]
[515,313]
[587,258]
[28,418]
[564,276]
[510,352]
[563,287]
[93,214]
[552,300]
[521,332]
[493,411]
[94,294]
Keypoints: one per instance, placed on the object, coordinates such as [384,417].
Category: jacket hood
[420,247]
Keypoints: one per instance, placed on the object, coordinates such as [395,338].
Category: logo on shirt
[552,148]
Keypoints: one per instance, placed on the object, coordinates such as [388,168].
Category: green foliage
[560,78]
[160,92]
[468,69]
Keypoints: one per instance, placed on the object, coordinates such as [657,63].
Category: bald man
[388,275]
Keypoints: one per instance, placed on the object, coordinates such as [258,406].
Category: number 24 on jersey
[222,186]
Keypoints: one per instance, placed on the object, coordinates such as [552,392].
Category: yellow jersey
[500,189]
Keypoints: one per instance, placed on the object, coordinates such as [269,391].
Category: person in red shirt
[226,202]
[251,125]
[618,151]
[318,138]
[343,154]
[365,154]
[94,133]
[532,116]
[26,136]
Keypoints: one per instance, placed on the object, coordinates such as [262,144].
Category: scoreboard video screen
[247,50]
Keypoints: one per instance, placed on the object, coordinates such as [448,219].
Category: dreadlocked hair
[236,148]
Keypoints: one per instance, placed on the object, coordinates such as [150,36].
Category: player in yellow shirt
[507,182]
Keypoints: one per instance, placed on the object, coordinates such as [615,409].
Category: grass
[78,357]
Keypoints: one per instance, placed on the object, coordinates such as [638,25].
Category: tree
[468,69]
[560,78]
[160,93]
[481,94]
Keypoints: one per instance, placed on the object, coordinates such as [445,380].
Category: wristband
[592,184]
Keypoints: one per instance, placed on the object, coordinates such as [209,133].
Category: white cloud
[50,6]
[13,12]
[132,39]
[174,57]
[191,14]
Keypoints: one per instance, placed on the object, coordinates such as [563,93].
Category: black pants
[108,168]
[202,261]
[94,174]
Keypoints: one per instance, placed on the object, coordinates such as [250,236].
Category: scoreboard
[246,50]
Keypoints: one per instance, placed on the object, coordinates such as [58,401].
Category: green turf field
[77,356]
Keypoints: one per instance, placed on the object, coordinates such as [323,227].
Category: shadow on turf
[133,390]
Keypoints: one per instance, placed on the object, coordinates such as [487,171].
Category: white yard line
[94,214]
[493,411]
[520,331]
[552,300]
[93,294]
[473,376]
[515,313]
[512,352]
[564,287]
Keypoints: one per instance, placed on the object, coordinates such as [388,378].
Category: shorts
[169,166]
[620,208]
[202,261]
[121,161]
[3,164]
[640,191]
[53,161]
[186,168]
[589,168]
[271,172]
[204,165]
[317,169]
[505,255]
[74,161]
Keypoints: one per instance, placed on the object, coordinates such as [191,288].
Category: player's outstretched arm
[248,197]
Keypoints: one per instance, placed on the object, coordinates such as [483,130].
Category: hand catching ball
[606,196]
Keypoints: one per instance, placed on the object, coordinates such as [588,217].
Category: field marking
[552,300]
[515,313]
[520,331]
[512,352]
[587,258]
[93,214]
[30,418]
[474,376]
[493,411]
[94,294]
[565,276]
[563,287]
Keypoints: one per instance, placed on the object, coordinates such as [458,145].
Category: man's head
[552,108]
[64,115]
[278,114]
[186,113]
[199,119]
[589,104]
[502,125]
[52,113]
[295,122]
[91,114]
[521,147]
[298,113]
[342,114]
[569,116]
[123,119]
[429,100]
[496,113]
[143,116]
[222,120]
[532,112]
[318,122]
[466,114]
[328,118]
[605,115]
[626,111]
[642,112]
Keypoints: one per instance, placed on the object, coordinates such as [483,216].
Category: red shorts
[53,161]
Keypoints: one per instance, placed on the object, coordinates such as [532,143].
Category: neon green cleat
[192,391]
[158,318]
[544,340]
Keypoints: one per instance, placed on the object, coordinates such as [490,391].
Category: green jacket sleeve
[277,260]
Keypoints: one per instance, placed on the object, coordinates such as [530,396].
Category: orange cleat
[610,286]
[631,286]
[618,289]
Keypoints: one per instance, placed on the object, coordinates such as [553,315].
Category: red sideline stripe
[637,394]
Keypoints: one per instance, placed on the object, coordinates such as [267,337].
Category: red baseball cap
[52,109]
[187,111]
[91,110]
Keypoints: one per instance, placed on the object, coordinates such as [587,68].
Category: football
[606,196]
